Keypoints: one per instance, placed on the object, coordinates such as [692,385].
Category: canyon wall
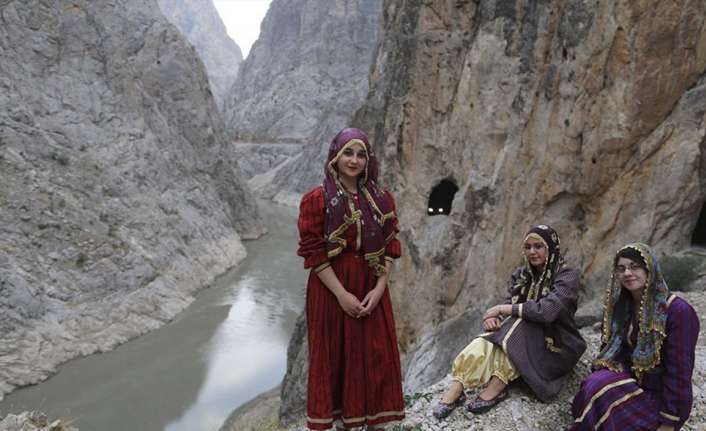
[200,23]
[587,116]
[120,196]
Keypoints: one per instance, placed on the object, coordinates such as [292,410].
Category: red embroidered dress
[354,366]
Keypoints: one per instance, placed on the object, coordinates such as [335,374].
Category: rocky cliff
[120,197]
[588,116]
[585,116]
[304,78]
[199,22]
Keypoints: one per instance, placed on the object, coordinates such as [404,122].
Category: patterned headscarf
[374,219]
[532,284]
[652,315]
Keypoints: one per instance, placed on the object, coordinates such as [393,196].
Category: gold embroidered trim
[357,215]
[358,419]
[671,299]
[519,311]
[389,259]
[602,363]
[321,267]
[601,392]
[377,214]
[670,417]
[549,341]
[373,261]
[375,416]
[617,403]
[509,333]
[335,236]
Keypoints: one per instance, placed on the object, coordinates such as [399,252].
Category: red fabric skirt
[354,364]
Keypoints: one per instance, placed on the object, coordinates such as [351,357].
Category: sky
[242,19]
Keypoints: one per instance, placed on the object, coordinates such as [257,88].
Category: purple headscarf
[375,217]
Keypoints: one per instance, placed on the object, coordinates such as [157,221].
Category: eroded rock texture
[199,22]
[303,79]
[119,196]
[585,116]
[588,116]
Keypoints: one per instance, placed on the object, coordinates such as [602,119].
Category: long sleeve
[510,287]
[563,296]
[678,352]
[312,245]
[393,250]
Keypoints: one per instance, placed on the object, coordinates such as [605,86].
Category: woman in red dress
[348,239]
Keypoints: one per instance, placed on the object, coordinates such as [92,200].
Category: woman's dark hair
[632,254]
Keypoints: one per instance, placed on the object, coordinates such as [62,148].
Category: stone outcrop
[199,22]
[303,79]
[120,196]
[259,159]
[33,421]
[588,116]
[585,116]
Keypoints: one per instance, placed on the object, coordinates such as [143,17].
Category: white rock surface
[200,23]
[120,196]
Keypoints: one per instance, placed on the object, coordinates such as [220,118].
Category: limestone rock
[33,421]
[585,116]
[588,116]
[261,158]
[120,196]
[199,22]
[303,79]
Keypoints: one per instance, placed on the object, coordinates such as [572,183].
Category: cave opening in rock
[698,238]
[441,197]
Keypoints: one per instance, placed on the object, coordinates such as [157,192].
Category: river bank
[225,348]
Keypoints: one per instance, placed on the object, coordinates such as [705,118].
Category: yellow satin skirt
[481,360]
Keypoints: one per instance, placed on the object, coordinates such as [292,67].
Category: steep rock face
[199,21]
[588,116]
[304,78]
[120,196]
[585,116]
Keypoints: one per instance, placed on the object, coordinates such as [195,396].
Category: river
[223,350]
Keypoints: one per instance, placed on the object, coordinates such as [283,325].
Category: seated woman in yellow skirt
[531,335]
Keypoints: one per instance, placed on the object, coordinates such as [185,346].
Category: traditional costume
[539,341]
[643,371]
[354,365]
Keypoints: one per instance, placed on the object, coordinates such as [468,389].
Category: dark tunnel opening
[698,238]
[441,198]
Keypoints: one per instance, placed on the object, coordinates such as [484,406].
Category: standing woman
[643,371]
[348,233]
[531,335]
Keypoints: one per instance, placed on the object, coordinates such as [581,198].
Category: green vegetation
[411,399]
[681,270]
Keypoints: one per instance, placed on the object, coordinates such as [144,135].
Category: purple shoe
[479,405]
[442,410]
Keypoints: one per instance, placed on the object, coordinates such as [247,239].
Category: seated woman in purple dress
[642,377]
[531,335]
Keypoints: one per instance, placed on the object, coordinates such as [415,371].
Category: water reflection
[226,348]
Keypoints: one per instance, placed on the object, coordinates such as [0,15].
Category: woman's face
[536,252]
[352,162]
[631,275]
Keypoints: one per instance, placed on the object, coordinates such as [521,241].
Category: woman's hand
[371,300]
[498,311]
[665,427]
[491,324]
[349,303]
